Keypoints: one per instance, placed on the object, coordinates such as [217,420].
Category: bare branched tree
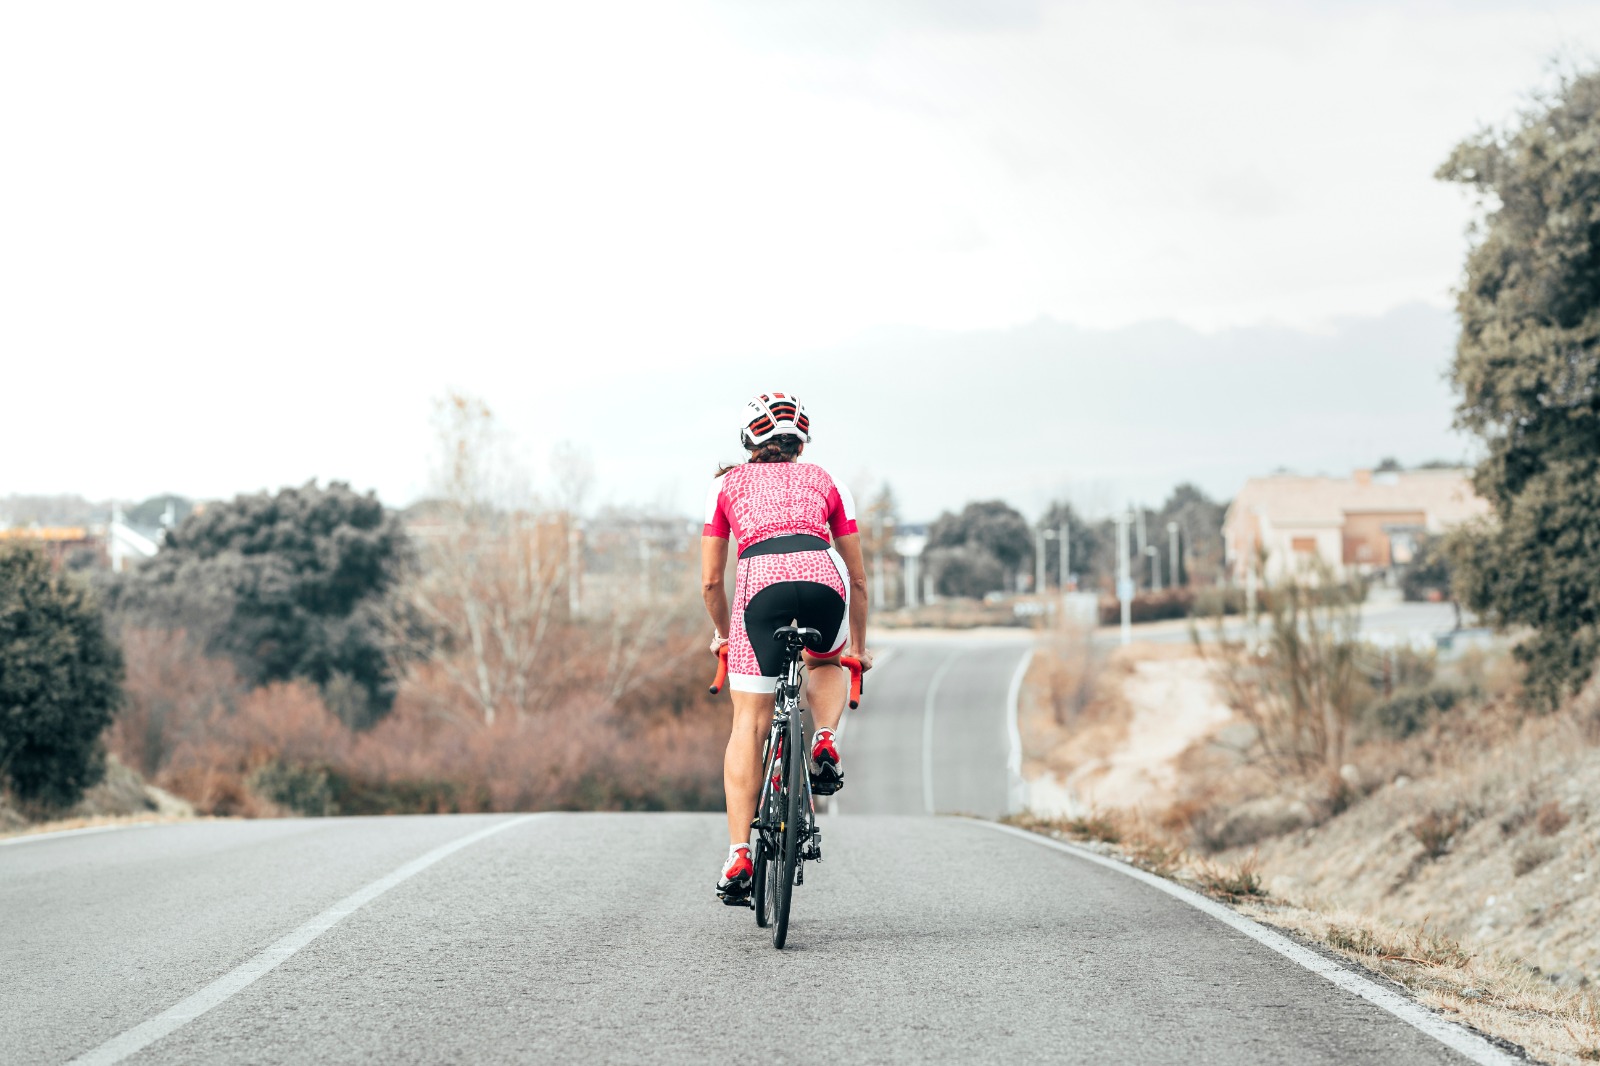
[1301,684]
[494,568]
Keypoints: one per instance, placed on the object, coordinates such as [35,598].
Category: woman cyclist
[781,513]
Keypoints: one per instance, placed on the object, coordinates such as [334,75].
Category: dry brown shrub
[1231,880]
[1436,829]
[171,692]
[1551,819]
[283,723]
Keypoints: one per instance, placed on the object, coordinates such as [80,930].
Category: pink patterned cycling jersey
[756,501]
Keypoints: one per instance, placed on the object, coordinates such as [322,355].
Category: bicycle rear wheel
[758,890]
[788,857]
[769,813]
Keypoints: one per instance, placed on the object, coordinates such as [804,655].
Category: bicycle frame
[786,705]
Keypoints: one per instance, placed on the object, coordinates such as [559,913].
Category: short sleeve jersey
[756,501]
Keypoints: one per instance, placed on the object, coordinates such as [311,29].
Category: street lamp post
[1124,578]
[1066,555]
[1039,579]
[1155,566]
[1172,545]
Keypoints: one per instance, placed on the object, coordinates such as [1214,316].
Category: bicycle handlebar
[849,662]
[722,670]
[857,678]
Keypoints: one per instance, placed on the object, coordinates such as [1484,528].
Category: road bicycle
[785,825]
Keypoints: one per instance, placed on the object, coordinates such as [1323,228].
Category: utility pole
[1124,578]
[1038,561]
[1139,516]
[1172,545]
[1066,555]
[1155,567]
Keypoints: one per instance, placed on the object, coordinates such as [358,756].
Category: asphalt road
[596,938]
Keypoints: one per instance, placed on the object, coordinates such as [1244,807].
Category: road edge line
[132,1041]
[927,730]
[1018,786]
[1458,1038]
[57,834]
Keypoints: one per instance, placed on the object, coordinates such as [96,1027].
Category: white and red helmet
[768,415]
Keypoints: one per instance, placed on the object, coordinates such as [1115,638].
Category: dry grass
[1139,843]
[1233,881]
[1459,861]
[1491,992]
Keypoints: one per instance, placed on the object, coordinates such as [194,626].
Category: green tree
[1428,572]
[60,682]
[978,548]
[290,585]
[1527,370]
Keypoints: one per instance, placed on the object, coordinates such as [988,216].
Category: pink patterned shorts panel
[758,572]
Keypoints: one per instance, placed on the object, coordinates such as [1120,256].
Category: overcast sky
[998,247]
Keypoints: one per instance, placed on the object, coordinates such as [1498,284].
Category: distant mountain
[1031,412]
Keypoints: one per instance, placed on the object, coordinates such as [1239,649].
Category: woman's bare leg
[741,766]
[827,687]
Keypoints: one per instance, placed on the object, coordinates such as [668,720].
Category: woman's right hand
[864,657]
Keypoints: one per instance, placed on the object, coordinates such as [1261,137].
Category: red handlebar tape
[722,670]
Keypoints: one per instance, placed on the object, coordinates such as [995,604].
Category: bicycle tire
[771,814]
[758,889]
[789,844]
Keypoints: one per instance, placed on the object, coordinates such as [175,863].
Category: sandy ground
[1174,705]
[1152,704]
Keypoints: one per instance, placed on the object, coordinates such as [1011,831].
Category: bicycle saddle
[798,637]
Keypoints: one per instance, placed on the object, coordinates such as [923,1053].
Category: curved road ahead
[596,938]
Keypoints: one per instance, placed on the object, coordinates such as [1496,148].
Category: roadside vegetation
[1431,818]
[302,653]
[1423,816]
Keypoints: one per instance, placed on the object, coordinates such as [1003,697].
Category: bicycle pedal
[737,901]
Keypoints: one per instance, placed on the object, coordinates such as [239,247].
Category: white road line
[1018,792]
[877,664]
[927,731]
[57,834]
[185,1011]
[1468,1043]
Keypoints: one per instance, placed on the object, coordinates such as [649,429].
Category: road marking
[1453,1036]
[1019,788]
[927,731]
[877,664]
[247,973]
[57,834]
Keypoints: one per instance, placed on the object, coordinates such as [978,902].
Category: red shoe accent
[741,866]
[823,749]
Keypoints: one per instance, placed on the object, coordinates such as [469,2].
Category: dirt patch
[1112,730]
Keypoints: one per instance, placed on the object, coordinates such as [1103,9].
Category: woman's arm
[849,548]
[713,565]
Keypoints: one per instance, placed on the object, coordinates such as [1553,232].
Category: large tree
[973,552]
[1527,369]
[60,681]
[289,585]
